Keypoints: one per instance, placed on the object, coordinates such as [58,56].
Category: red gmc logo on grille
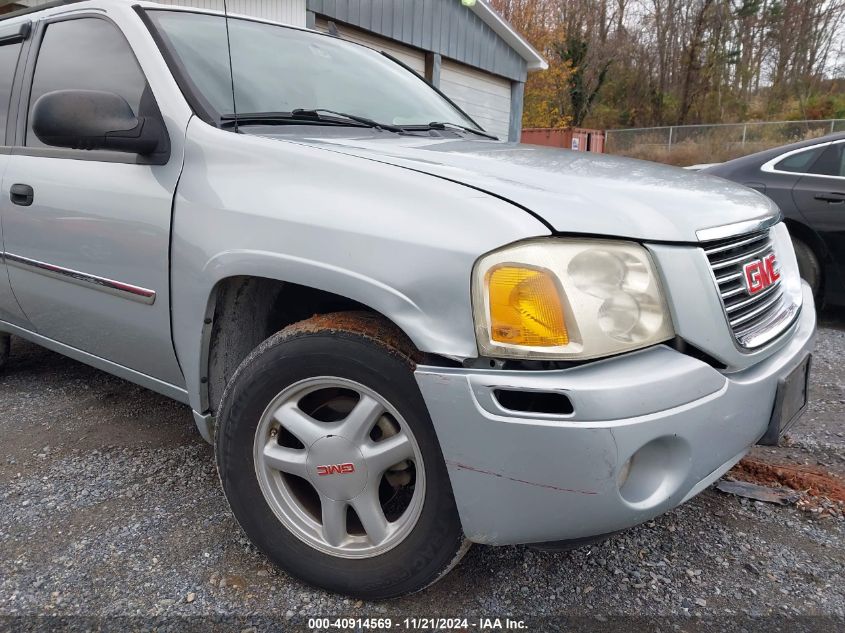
[761,273]
[336,469]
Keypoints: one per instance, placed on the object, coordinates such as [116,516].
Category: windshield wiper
[443,125]
[302,116]
[278,118]
[319,112]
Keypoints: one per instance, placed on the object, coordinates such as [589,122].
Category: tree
[582,92]
[657,62]
[544,105]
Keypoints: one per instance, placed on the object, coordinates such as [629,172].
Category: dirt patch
[372,326]
[817,486]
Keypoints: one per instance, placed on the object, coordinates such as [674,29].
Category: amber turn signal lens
[525,308]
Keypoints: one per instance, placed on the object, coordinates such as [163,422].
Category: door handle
[22,195]
[832,198]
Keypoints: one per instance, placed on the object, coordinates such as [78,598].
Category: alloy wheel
[339,467]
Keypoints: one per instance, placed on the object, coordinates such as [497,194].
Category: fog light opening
[654,472]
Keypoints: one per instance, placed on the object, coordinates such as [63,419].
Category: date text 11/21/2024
[416,624]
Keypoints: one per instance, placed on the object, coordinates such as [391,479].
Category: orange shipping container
[576,139]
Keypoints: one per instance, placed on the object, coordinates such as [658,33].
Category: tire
[319,367]
[808,266]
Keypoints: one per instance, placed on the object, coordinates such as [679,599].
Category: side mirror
[92,119]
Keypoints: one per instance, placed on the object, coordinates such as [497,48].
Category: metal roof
[507,32]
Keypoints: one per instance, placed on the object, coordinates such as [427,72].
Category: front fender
[398,241]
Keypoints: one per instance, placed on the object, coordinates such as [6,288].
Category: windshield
[281,69]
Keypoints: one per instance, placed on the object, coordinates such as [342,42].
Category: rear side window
[8,60]
[801,162]
[830,162]
[85,54]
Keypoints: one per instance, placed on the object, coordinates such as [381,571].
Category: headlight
[568,299]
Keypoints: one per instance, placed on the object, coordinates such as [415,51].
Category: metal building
[470,52]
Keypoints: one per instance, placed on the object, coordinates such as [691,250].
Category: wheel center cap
[336,468]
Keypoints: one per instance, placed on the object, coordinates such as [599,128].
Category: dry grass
[708,145]
[689,153]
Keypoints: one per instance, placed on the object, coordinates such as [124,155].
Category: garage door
[411,57]
[485,97]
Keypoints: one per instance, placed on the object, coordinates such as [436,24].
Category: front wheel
[331,465]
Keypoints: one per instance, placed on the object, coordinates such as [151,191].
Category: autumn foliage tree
[658,62]
[545,92]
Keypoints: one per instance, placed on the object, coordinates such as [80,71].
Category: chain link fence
[690,144]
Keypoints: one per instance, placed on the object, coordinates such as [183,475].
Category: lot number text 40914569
[416,624]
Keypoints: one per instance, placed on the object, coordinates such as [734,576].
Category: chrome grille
[754,319]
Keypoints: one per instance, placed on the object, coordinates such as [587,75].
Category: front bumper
[533,478]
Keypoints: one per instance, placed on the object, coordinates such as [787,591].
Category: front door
[11,42]
[820,197]
[87,233]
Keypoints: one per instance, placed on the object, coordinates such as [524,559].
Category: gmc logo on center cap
[336,469]
[761,273]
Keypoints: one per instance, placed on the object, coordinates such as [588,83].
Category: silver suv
[401,335]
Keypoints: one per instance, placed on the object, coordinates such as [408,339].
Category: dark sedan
[807,181]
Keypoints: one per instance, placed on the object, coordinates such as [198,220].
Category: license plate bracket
[790,402]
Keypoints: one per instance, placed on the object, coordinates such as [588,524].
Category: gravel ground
[110,506]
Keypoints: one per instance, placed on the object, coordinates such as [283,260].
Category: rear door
[88,249]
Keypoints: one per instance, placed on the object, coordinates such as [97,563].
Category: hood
[573,192]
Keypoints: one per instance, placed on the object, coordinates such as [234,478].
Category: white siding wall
[407,55]
[287,11]
[485,97]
